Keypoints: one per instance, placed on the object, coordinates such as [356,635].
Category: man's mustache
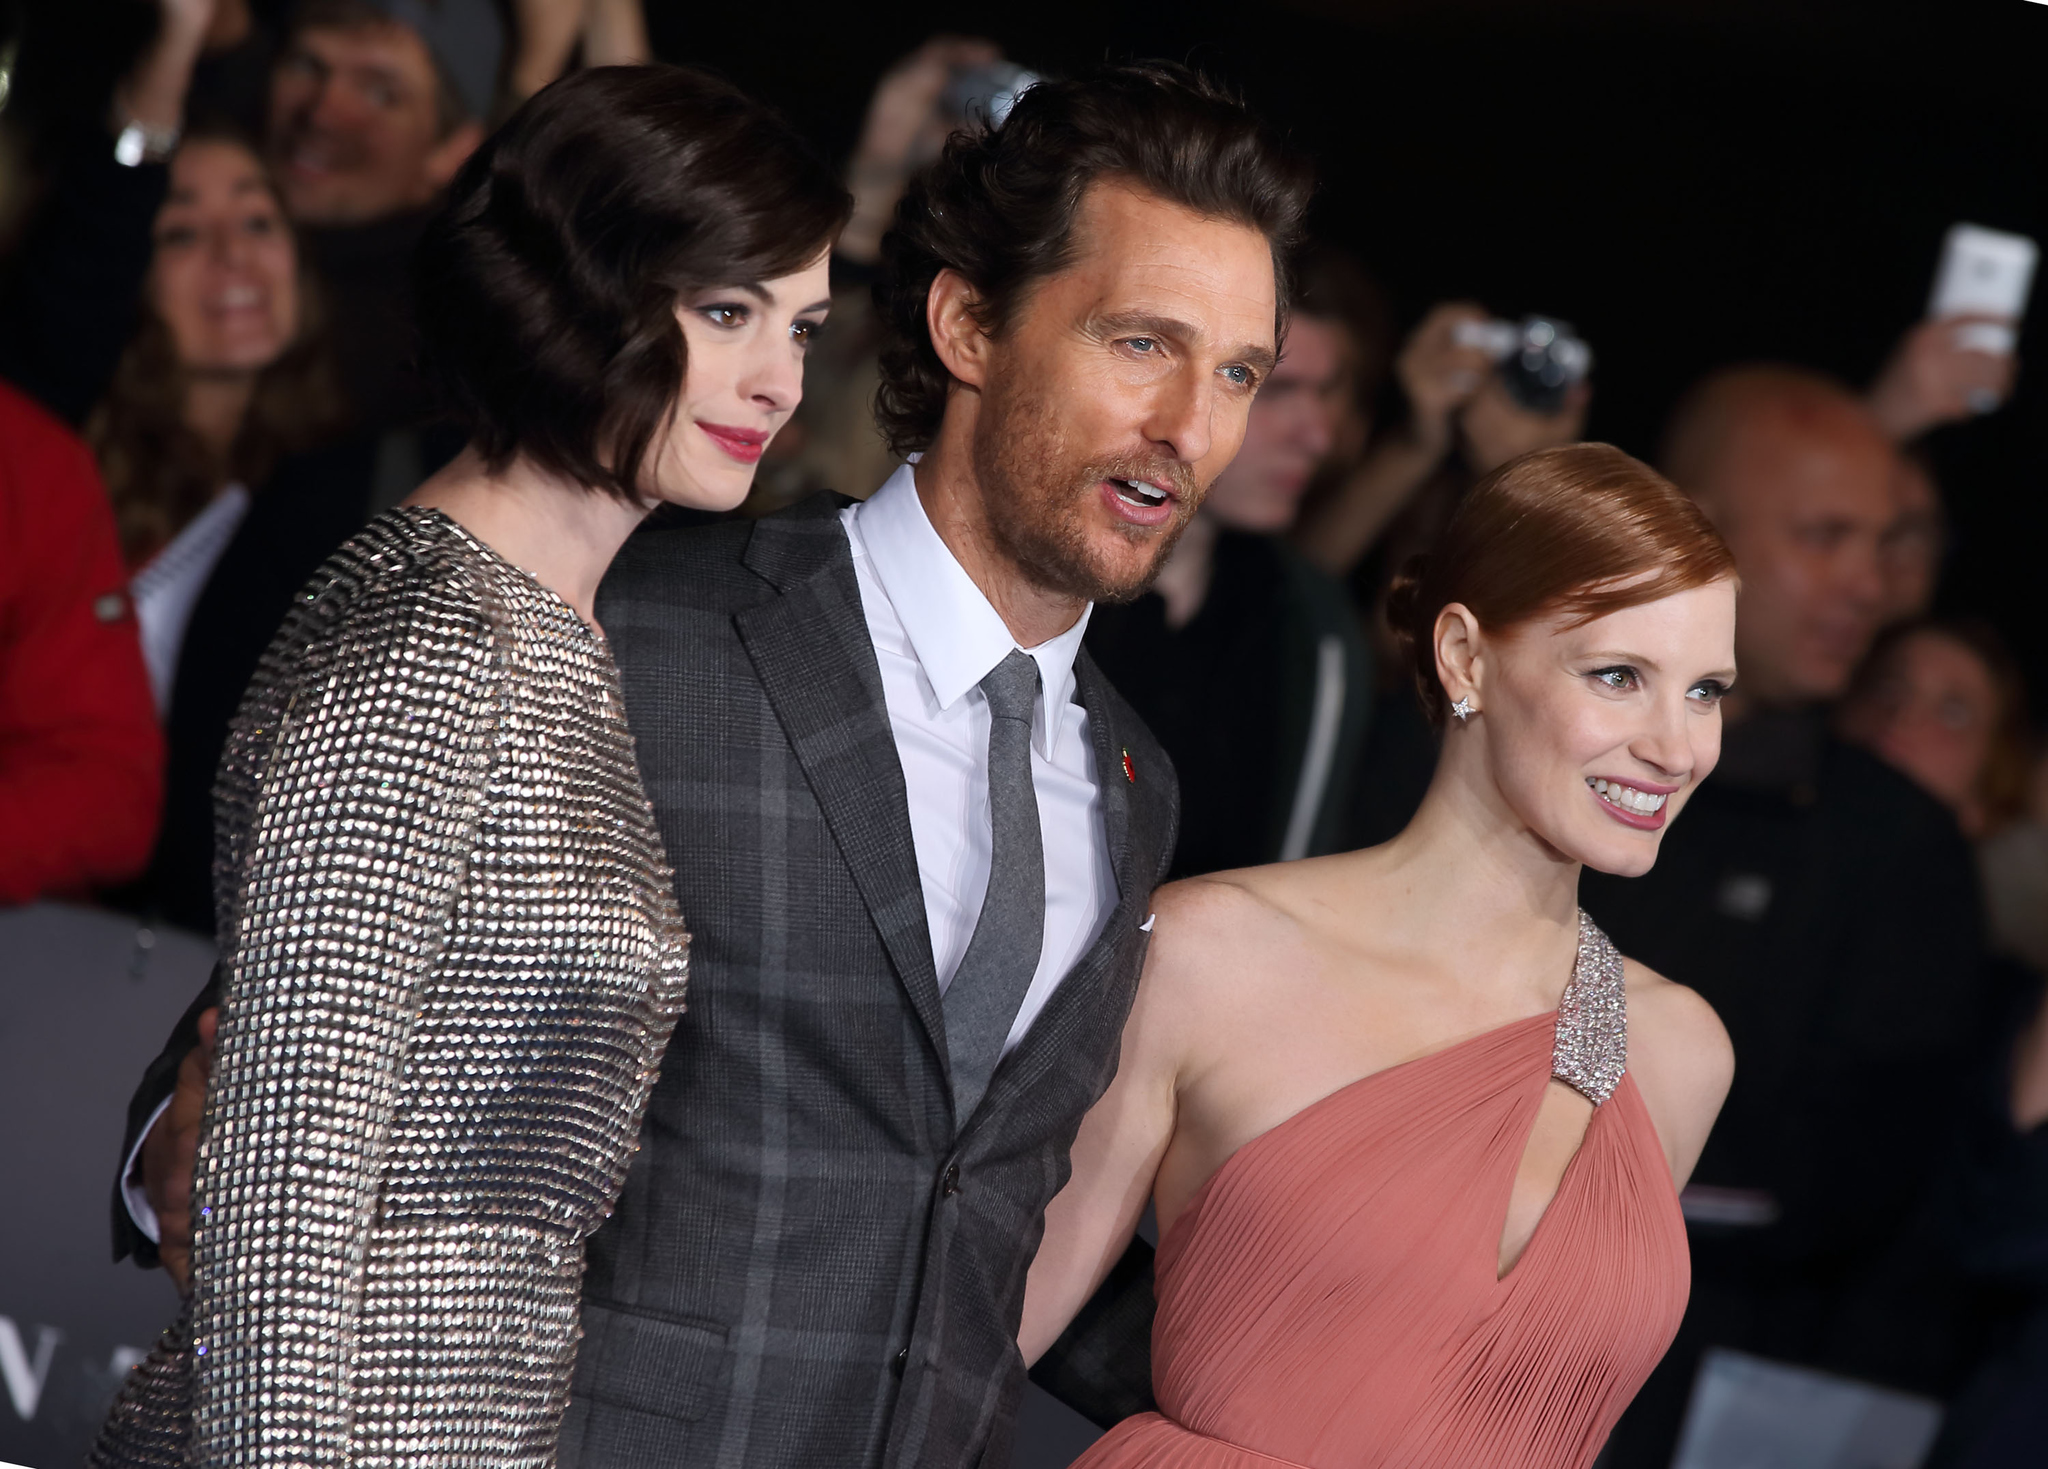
[1175,472]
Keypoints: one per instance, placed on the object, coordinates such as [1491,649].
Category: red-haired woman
[1414,1131]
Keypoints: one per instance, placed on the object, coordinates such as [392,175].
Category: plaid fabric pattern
[813,1262]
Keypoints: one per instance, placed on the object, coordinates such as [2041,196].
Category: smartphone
[1984,272]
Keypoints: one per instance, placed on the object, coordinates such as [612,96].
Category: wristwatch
[144,142]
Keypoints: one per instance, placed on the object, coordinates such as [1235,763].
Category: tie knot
[1012,687]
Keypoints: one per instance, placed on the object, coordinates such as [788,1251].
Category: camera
[1539,358]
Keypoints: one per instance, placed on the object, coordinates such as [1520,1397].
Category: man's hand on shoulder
[168,1153]
[1682,1061]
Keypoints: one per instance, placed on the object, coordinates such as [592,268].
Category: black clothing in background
[2000,1417]
[1827,909]
[365,274]
[234,84]
[72,299]
[1234,695]
[1396,769]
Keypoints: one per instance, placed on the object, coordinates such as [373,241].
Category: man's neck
[955,503]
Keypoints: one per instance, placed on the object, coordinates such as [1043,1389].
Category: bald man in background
[1827,908]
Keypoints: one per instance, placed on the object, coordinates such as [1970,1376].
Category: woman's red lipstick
[744,444]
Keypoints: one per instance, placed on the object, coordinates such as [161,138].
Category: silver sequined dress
[453,961]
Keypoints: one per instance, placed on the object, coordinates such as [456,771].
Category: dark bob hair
[999,205]
[547,284]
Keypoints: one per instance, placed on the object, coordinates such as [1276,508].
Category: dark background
[1693,182]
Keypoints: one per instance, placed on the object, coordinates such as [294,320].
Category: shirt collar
[957,635]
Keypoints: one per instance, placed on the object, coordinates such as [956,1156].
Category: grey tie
[989,985]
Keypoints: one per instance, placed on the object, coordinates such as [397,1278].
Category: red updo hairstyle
[1584,530]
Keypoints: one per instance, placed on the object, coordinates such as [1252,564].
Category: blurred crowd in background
[204,342]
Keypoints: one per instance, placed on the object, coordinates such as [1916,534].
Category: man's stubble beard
[1036,488]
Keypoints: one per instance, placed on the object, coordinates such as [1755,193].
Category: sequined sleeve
[361,755]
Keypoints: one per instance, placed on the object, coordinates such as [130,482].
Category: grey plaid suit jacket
[814,1263]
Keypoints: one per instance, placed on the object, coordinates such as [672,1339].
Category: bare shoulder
[1681,1058]
[1211,934]
[1203,922]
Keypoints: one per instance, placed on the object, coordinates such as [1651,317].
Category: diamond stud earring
[1463,709]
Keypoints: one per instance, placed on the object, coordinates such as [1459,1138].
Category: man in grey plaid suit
[915,832]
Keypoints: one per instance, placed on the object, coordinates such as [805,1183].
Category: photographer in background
[1464,418]
[1244,659]
[1458,403]
[831,442]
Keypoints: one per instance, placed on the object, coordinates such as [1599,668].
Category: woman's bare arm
[1117,1153]
[1682,1062]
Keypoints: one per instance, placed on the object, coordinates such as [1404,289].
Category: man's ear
[448,155]
[1460,654]
[957,336]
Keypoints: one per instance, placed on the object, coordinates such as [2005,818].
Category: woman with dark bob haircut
[450,955]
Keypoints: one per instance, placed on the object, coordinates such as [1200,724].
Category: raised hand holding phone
[1959,362]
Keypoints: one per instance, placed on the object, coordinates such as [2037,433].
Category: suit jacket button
[900,1361]
[950,1184]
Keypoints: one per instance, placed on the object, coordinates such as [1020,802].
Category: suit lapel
[816,663]
[1109,773]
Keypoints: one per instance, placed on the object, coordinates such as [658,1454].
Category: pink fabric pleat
[1329,1298]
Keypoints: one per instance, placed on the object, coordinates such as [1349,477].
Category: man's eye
[1241,375]
[1142,344]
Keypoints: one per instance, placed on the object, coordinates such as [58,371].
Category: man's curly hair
[999,205]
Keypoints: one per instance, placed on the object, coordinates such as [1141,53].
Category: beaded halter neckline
[1591,1049]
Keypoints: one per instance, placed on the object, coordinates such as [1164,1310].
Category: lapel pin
[1130,770]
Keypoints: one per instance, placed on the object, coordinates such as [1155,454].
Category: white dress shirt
[167,589]
[936,637]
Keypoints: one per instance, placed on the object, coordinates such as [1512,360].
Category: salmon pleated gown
[1331,1297]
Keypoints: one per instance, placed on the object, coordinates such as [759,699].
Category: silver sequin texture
[1591,1050]
[453,963]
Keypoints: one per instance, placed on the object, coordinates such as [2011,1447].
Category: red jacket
[81,757]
